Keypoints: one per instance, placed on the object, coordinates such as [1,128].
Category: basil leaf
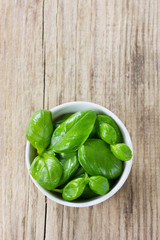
[66,155]
[99,185]
[46,170]
[107,133]
[70,165]
[72,133]
[121,151]
[97,159]
[61,119]
[105,126]
[39,130]
[74,189]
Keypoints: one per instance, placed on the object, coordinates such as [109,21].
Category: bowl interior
[72,108]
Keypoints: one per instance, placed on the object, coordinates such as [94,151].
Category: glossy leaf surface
[72,133]
[70,165]
[46,170]
[97,159]
[107,133]
[66,155]
[39,130]
[121,151]
[74,189]
[99,184]
[61,119]
[105,125]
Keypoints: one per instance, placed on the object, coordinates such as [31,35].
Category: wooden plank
[102,51]
[111,68]
[22,88]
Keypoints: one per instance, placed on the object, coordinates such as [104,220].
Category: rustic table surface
[107,52]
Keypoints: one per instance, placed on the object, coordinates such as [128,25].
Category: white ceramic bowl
[73,107]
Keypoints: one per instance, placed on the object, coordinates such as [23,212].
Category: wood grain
[107,52]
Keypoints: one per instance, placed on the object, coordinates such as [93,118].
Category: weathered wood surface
[107,52]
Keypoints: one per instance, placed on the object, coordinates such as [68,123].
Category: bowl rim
[121,181]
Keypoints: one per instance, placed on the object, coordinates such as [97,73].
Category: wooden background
[105,51]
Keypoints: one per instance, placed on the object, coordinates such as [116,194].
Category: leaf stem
[58,190]
[86,177]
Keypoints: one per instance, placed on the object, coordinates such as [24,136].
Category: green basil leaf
[39,130]
[107,133]
[101,119]
[66,155]
[97,159]
[74,189]
[46,170]
[70,166]
[99,184]
[72,133]
[61,119]
[121,151]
